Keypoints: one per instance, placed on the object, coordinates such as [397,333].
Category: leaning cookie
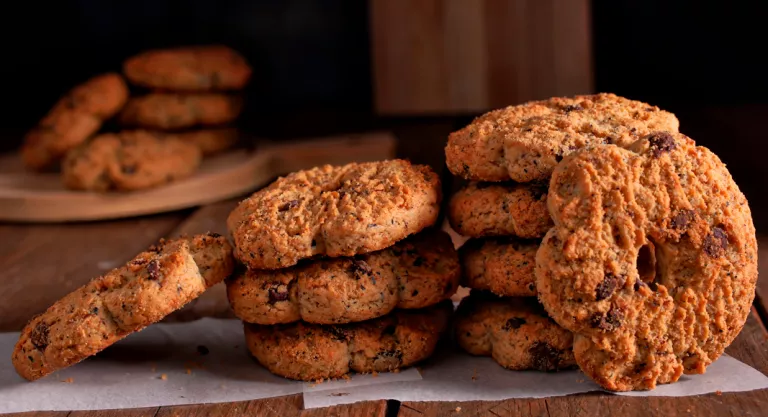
[525,142]
[74,118]
[310,352]
[515,332]
[487,209]
[652,261]
[125,300]
[418,272]
[504,266]
[129,160]
[197,68]
[179,111]
[334,211]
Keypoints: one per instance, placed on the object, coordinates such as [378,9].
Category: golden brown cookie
[167,111]
[197,68]
[310,352]
[74,118]
[515,332]
[503,266]
[486,209]
[129,160]
[525,142]
[334,211]
[122,301]
[652,261]
[210,141]
[415,273]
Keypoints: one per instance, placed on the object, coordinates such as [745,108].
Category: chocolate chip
[558,157]
[95,310]
[545,357]
[606,288]
[372,225]
[338,332]
[359,265]
[572,107]
[609,321]
[661,142]
[682,219]
[289,205]
[39,336]
[202,350]
[465,168]
[639,284]
[716,242]
[513,323]
[276,295]
[153,269]
[213,234]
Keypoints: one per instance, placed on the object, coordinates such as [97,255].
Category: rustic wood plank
[41,263]
[749,347]
[287,406]
[39,414]
[363,409]
[133,412]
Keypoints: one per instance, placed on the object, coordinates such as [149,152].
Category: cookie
[525,142]
[486,209]
[210,141]
[200,68]
[652,261]
[74,118]
[311,352]
[334,211]
[515,332]
[503,266]
[129,160]
[122,301]
[166,111]
[415,273]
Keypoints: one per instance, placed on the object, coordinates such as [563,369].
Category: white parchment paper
[162,365]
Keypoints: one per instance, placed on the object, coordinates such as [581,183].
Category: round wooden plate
[33,197]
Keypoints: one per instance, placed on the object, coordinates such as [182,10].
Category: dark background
[311,59]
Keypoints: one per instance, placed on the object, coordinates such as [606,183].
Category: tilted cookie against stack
[344,272]
[508,156]
[190,95]
[125,300]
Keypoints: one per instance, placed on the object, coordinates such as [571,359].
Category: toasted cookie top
[143,291]
[415,273]
[197,68]
[334,211]
[525,142]
[652,261]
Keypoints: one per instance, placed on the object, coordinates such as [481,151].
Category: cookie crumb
[188,371]
[338,394]
[718,393]
[396,371]
[458,409]
[68,380]
[474,375]
[164,377]
[374,374]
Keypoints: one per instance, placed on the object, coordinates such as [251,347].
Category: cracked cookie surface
[525,142]
[122,301]
[652,262]
[415,273]
[334,211]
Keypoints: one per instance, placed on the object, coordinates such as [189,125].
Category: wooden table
[40,263]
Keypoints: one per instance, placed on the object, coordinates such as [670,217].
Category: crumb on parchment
[163,377]
[458,409]
[68,380]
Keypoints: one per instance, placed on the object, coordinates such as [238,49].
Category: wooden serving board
[33,197]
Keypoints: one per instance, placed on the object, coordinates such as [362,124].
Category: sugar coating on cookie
[515,332]
[180,111]
[334,211]
[503,266]
[74,118]
[415,273]
[525,142]
[310,352]
[484,209]
[210,141]
[127,299]
[652,261]
[129,160]
[199,68]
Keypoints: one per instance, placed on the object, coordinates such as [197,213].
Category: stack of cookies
[647,266]
[185,115]
[343,271]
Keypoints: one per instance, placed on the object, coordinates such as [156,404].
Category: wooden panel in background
[442,56]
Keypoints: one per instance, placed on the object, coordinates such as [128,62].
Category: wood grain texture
[749,347]
[440,56]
